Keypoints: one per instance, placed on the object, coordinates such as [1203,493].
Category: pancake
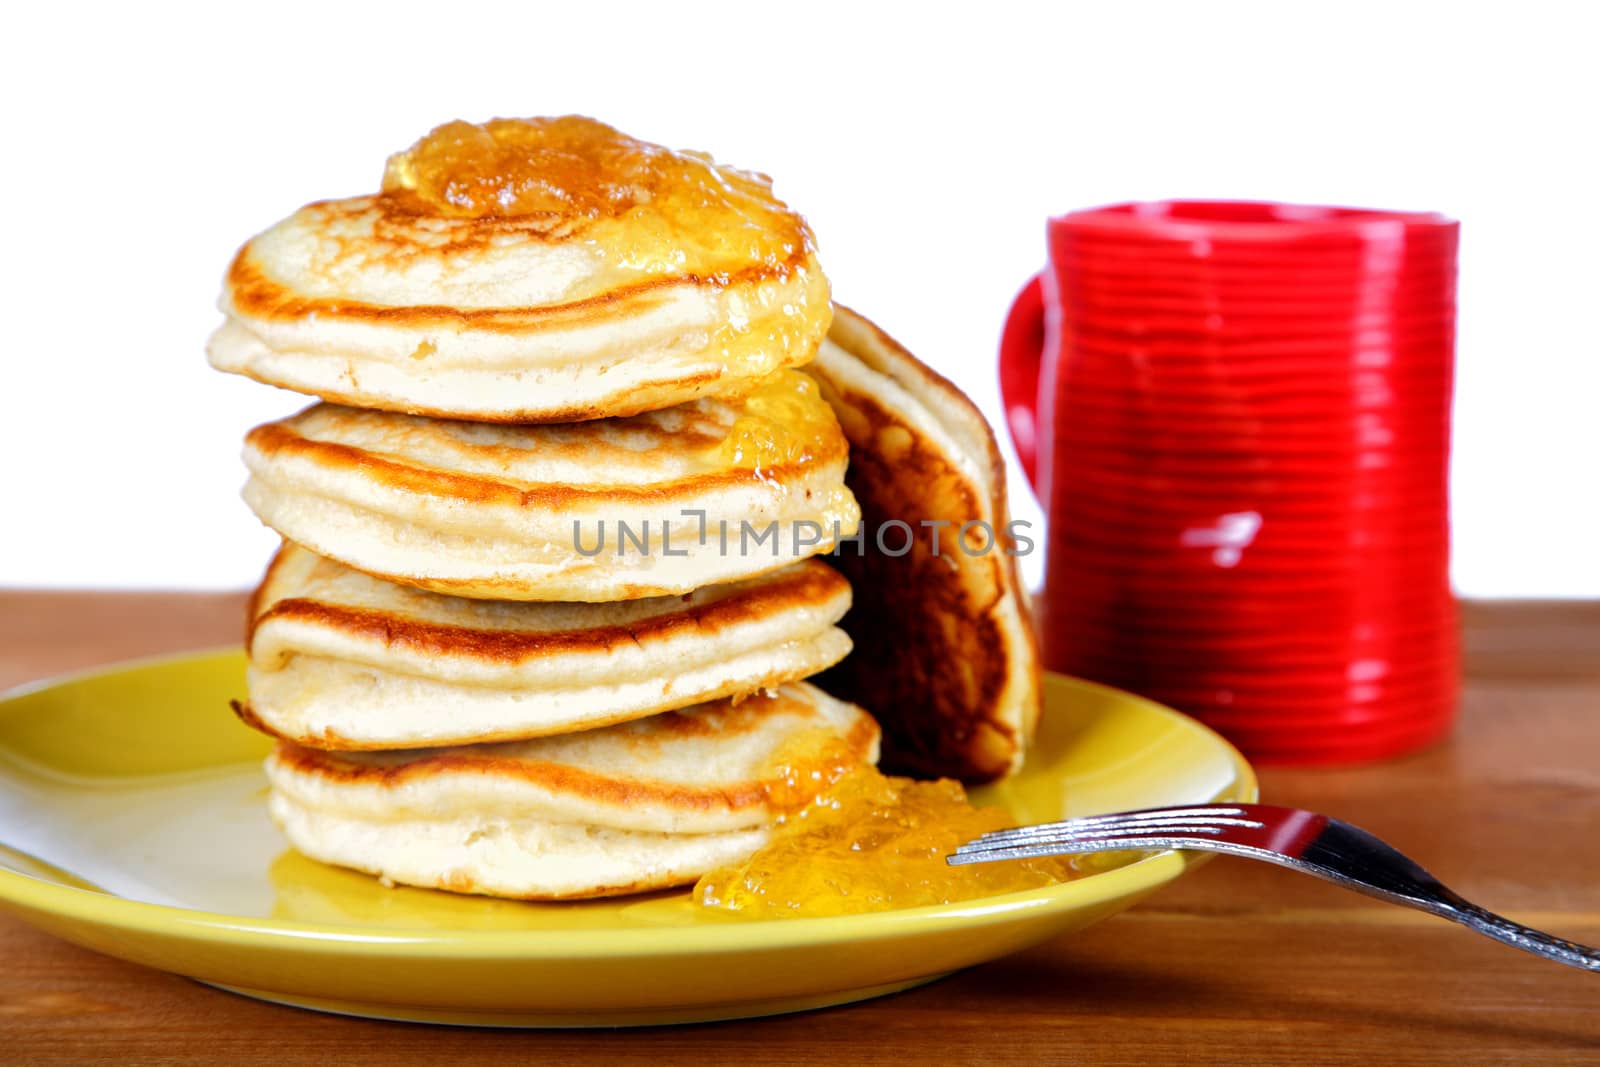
[545,270]
[642,805]
[945,654]
[341,660]
[591,511]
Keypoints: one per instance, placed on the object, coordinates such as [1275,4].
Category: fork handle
[1516,935]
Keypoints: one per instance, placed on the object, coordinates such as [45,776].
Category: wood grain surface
[1239,964]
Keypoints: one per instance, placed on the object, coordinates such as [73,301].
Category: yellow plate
[133,822]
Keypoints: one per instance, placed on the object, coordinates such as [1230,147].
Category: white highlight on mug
[1227,538]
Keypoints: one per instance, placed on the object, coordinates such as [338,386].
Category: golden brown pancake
[717,490]
[342,660]
[543,270]
[641,805]
[945,654]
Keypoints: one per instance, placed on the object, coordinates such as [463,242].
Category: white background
[142,144]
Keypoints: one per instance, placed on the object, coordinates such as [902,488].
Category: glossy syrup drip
[784,422]
[685,213]
[870,842]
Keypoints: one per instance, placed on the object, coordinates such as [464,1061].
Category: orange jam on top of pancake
[872,842]
[785,422]
[684,212]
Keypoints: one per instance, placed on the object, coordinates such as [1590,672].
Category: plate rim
[19,891]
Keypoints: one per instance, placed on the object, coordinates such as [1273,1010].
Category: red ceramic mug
[1237,418]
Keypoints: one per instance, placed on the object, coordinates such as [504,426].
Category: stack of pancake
[547,597]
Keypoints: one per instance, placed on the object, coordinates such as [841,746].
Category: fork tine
[1200,811]
[1072,825]
[1125,817]
[1066,842]
[1151,828]
[1068,829]
[1066,847]
[1173,823]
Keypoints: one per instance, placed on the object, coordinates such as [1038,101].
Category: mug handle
[1021,352]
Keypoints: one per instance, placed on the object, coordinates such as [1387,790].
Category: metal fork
[1300,840]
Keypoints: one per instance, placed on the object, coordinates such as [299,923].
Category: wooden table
[1241,963]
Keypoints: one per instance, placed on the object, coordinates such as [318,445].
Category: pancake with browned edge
[529,270]
[945,654]
[642,805]
[716,490]
[342,660]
